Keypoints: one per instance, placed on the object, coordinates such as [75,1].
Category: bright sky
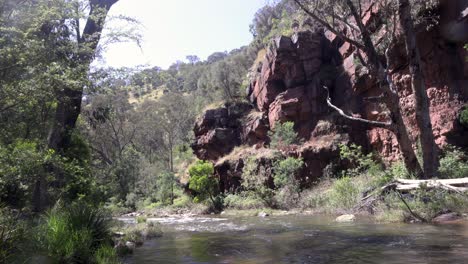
[173,29]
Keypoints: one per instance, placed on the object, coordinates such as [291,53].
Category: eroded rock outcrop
[288,87]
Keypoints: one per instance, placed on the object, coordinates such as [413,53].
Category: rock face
[289,87]
[218,131]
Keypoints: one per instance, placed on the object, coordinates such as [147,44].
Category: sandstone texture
[289,87]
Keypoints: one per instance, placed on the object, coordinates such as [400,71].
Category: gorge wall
[288,86]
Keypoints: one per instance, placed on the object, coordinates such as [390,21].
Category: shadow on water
[303,239]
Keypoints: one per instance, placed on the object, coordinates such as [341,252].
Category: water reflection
[303,239]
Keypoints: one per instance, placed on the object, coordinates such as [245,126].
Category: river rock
[263,214]
[130,245]
[447,218]
[345,218]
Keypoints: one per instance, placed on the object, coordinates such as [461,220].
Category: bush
[106,255]
[454,164]
[202,180]
[255,181]
[12,235]
[464,117]
[285,172]
[425,203]
[358,160]
[141,219]
[244,200]
[286,197]
[344,193]
[182,201]
[72,234]
[283,135]
[141,232]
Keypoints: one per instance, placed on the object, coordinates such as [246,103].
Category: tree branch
[387,125]
[328,26]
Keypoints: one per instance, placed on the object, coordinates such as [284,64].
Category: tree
[429,148]
[347,14]
[202,180]
[192,59]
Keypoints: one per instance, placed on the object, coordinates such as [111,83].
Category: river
[301,239]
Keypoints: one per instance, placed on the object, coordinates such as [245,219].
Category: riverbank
[360,195]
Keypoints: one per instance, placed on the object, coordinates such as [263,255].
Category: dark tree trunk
[401,133]
[69,98]
[429,148]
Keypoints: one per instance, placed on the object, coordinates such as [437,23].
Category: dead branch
[387,125]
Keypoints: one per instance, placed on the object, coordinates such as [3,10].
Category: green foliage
[12,235]
[272,21]
[202,180]
[344,193]
[255,181]
[73,233]
[243,201]
[464,117]
[24,162]
[283,135]
[285,172]
[142,231]
[21,164]
[106,254]
[358,160]
[454,164]
[426,203]
[141,219]
[165,187]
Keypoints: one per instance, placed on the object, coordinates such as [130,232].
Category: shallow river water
[301,239]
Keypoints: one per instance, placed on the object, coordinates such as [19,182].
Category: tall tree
[77,54]
[428,146]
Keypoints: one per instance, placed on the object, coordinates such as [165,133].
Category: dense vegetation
[78,143]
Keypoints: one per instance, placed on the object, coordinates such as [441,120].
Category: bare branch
[387,125]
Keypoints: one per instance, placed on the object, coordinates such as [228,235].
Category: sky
[173,29]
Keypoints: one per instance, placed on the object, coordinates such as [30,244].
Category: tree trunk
[69,99]
[401,133]
[429,148]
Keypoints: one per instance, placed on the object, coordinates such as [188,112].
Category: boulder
[345,218]
[263,214]
[448,218]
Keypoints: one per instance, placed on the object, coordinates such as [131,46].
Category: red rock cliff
[286,88]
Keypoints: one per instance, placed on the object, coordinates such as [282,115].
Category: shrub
[72,234]
[286,197]
[12,234]
[141,219]
[106,255]
[165,187]
[141,232]
[344,193]
[454,164]
[182,201]
[244,200]
[426,203]
[202,180]
[464,117]
[285,172]
[283,135]
[358,160]
[255,180]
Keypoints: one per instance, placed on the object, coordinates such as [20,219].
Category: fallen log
[453,185]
